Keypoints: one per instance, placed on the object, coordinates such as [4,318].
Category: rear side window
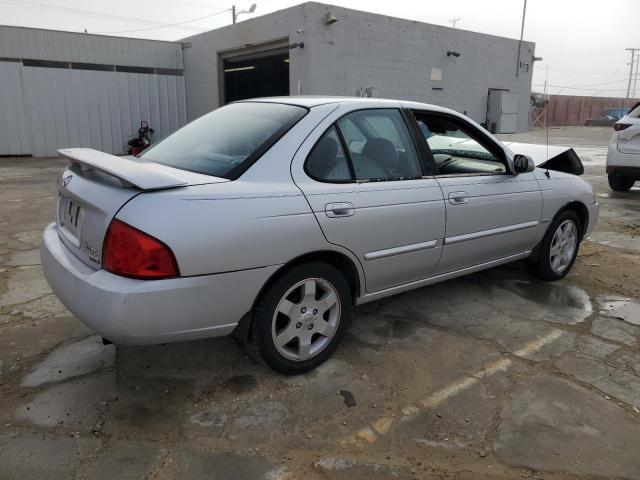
[367,145]
[225,142]
[380,145]
[327,161]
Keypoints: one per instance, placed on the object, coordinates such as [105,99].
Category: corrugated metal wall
[36,43]
[14,139]
[83,108]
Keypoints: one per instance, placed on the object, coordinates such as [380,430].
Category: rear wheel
[301,318]
[618,183]
[559,247]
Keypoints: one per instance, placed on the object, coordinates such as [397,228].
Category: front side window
[223,141]
[456,148]
[380,145]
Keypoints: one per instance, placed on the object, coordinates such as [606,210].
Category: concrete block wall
[365,50]
[200,55]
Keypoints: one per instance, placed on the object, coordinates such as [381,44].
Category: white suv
[623,157]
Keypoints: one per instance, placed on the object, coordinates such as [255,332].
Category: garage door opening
[262,74]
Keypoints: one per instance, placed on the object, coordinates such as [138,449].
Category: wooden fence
[575,110]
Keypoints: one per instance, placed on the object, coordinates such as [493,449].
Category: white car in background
[623,157]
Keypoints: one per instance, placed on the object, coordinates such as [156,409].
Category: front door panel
[499,216]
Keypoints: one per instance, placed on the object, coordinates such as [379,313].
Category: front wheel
[558,249]
[301,318]
[618,183]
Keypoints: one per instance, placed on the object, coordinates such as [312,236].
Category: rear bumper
[136,312]
[624,171]
[620,163]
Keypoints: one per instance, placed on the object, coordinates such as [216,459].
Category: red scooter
[142,141]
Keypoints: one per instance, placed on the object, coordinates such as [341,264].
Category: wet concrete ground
[491,376]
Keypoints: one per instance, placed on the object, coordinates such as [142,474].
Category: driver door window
[456,150]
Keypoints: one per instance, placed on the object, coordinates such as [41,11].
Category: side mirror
[523,164]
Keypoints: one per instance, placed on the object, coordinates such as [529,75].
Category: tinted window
[457,148]
[218,143]
[327,161]
[380,146]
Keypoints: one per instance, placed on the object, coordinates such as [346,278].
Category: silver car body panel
[137,312]
[230,237]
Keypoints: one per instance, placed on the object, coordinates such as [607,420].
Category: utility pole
[633,57]
[454,20]
[635,80]
[524,14]
[233,13]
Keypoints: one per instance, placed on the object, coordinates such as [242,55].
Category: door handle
[458,198]
[340,209]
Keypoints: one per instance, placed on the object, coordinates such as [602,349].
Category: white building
[349,52]
[61,89]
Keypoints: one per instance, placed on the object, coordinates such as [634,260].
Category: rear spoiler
[141,175]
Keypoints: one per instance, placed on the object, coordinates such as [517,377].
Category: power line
[86,13]
[168,25]
[589,84]
[633,57]
[584,72]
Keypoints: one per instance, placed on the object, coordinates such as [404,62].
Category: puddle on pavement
[625,309]
[73,360]
[563,300]
[77,403]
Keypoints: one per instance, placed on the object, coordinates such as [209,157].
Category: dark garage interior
[260,75]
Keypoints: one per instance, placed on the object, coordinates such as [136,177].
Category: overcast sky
[582,41]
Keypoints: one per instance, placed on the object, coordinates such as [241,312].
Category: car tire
[618,183]
[301,318]
[554,256]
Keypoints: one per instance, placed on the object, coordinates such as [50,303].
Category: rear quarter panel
[229,227]
[261,219]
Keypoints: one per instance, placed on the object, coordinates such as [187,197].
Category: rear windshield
[225,142]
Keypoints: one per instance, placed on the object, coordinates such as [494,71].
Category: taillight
[620,126]
[131,253]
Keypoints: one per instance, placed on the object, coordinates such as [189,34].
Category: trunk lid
[95,186]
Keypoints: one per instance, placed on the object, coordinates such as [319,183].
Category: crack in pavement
[383,425]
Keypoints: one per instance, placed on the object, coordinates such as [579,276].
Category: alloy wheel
[563,246]
[305,319]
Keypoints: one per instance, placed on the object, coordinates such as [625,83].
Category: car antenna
[546,122]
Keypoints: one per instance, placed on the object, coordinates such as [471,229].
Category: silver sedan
[271,218]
